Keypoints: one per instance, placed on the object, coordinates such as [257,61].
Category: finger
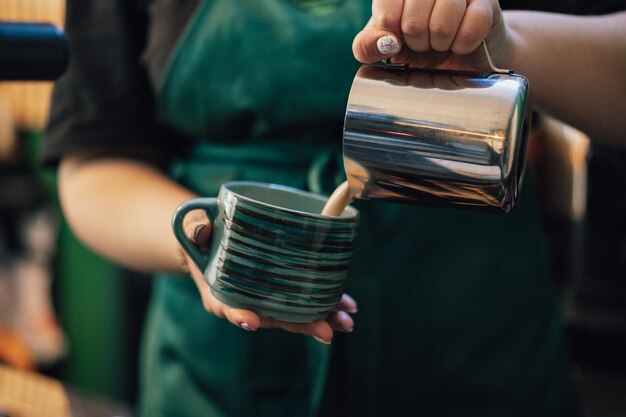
[341,322]
[387,14]
[372,44]
[444,23]
[415,22]
[245,319]
[320,330]
[199,232]
[291,327]
[347,304]
[496,13]
[474,27]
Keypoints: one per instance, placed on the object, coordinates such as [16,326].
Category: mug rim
[354,213]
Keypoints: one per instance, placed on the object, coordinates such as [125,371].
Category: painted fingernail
[322,341]
[197,230]
[342,329]
[247,327]
[388,45]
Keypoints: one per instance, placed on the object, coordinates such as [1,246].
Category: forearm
[122,208]
[576,67]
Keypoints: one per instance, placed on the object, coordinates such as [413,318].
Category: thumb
[373,44]
[199,232]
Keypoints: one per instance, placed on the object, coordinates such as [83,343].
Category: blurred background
[70,322]
[65,313]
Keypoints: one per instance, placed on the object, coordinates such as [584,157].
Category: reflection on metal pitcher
[434,137]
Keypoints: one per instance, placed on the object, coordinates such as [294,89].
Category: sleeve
[104,99]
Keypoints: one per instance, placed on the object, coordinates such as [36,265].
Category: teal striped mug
[272,251]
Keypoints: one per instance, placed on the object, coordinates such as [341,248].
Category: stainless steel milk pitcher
[437,137]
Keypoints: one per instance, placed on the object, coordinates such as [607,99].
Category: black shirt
[118,49]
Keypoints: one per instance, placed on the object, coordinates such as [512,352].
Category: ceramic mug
[272,251]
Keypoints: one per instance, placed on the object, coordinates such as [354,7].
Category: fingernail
[342,329]
[388,45]
[319,339]
[197,231]
[394,82]
[247,327]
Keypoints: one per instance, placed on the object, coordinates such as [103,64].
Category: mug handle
[209,205]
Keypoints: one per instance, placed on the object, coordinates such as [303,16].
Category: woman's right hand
[198,229]
[414,31]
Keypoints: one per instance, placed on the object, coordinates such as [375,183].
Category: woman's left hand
[199,231]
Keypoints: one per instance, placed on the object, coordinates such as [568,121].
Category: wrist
[509,45]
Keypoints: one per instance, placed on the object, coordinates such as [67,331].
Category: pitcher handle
[491,63]
[492,66]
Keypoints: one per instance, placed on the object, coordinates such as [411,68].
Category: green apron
[457,314]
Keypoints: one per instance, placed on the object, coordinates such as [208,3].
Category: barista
[166,102]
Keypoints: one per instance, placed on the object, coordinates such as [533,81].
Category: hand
[425,33]
[198,228]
